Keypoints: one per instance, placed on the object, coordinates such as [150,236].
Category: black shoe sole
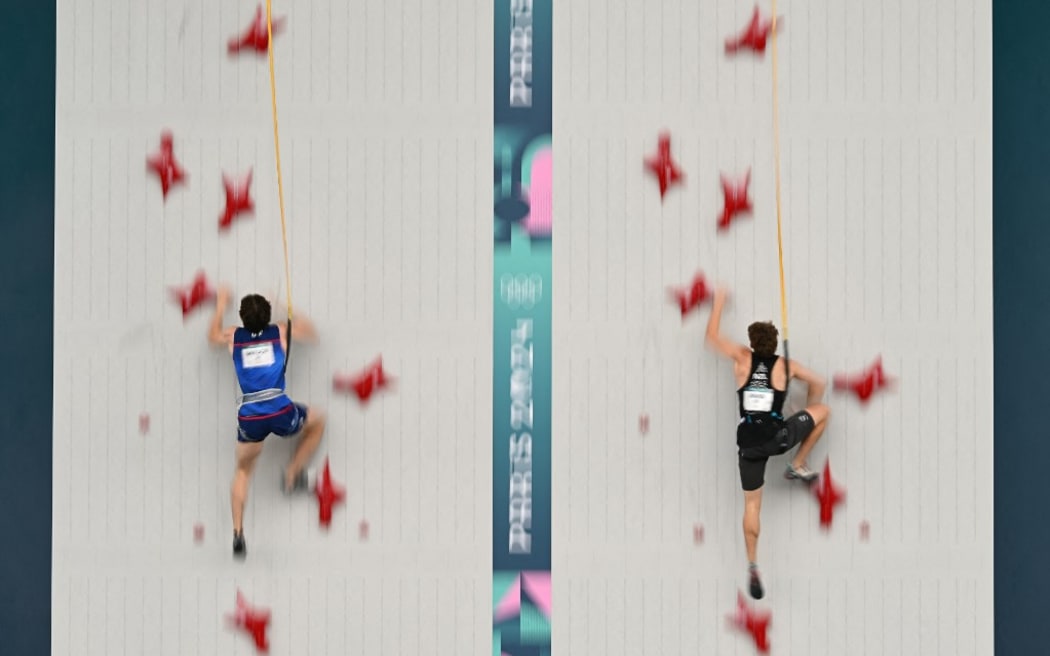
[757,592]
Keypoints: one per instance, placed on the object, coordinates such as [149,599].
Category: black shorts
[752,460]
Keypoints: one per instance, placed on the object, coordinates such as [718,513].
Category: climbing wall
[885,136]
[385,128]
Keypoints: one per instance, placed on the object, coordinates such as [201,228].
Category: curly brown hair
[764,337]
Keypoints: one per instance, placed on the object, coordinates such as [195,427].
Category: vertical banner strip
[521,371]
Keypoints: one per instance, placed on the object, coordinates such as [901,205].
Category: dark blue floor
[1022,313]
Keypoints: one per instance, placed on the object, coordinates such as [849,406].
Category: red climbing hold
[198,532]
[143,423]
[755,622]
[828,494]
[736,200]
[866,384]
[362,529]
[193,295]
[754,35]
[328,495]
[238,199]
[256,36]
[252,621]
[692,295]
[663,165]
[164,165]
[865,530]
[365,383]
[643,424]
[698,534]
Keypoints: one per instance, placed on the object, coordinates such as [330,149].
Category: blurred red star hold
[643,424]
[143,423]
[328,495]
[698,533]
[865,384]
[752,621]
[256,36]
[736,200]
[238,199]
[663,166]
[164,165]
[755,35]
[692,295]
[253,621]
[192,296]
[365,383]
[198,532]
[828,494]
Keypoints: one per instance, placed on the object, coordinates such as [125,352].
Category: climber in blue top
[259,349]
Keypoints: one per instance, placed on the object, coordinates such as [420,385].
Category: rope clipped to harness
[776,158]
[280,184]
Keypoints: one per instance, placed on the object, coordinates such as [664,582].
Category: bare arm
[816,385]
[303,330]
[714,337]
[217,334]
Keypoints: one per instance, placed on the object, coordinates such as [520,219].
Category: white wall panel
[385,126]
[885,139]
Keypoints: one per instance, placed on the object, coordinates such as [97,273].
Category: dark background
[1021,229]
[1022,311]
[27,279]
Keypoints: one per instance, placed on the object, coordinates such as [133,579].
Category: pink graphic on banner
[538,587]
[510,605]
[538,222]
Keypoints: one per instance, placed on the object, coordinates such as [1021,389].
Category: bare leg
[752,511]
[820,414]
[308,443]
[247,454]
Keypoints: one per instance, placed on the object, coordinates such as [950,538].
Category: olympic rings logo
[521,291]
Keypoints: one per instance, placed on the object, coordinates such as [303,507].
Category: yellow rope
[776,157]
[277,149]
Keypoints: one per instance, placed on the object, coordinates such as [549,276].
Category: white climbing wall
[885,129]
[385,123]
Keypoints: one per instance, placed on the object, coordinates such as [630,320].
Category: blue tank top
[259,362]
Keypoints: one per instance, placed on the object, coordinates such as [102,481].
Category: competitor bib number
[758,400]
[257,356]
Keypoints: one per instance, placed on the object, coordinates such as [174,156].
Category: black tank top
[758,400]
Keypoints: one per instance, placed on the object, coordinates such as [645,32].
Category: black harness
[287,348]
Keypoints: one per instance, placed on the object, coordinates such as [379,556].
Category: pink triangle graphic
[510,605]
[538,586]
[538,222]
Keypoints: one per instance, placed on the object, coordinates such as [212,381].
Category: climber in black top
[763,431]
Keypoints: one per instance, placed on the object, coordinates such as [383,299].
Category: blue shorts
[283,423]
